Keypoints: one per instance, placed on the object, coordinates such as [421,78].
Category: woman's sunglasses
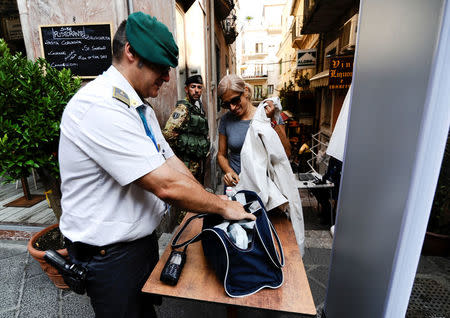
[234,101]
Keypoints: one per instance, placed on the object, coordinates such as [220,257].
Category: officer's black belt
[83,250]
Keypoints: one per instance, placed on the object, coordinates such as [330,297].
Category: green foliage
[439,221]
[288,97]
[32,98]
[303,81]
[286,91]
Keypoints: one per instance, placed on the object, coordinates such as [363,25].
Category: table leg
[231,311]
[331,207]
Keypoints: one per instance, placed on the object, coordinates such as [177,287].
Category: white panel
[394,56]
[432,140]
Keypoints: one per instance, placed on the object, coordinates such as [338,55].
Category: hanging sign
[83,48]
[341,72]
[306,58]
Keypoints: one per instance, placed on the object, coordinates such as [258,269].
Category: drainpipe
[130,6]
[213,92]
[213,46]
[319,91]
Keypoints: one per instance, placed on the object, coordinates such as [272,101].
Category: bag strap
[269,244]
[278,259]
[185,225]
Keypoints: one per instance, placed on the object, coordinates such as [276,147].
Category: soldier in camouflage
[186,129]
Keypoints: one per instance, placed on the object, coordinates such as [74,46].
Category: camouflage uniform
[186,131]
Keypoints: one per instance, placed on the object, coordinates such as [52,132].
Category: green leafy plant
[439,221]
[288,97]
[32,99]
[303,81]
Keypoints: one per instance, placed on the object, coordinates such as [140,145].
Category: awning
[285,115]
[320,79]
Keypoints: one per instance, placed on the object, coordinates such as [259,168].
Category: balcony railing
[253,55]
[274,27]
[254,74]
[296,31]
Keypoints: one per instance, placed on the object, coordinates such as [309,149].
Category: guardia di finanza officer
[117,171]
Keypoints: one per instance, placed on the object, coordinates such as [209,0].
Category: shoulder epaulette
[121,95]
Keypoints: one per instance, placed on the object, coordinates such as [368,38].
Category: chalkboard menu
[84,48]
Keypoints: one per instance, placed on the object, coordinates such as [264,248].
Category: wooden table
[199,282]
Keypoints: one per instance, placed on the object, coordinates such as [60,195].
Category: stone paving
[27,292]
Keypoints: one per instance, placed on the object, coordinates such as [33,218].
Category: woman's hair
[231,82]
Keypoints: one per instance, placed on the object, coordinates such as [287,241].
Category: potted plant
[32,99]
[437,238]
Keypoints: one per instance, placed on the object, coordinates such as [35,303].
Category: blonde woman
[235,95]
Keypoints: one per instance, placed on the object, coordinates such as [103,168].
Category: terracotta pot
[38,255]
[436,244]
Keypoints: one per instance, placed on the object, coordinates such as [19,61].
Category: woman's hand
[231,179]
[270,110]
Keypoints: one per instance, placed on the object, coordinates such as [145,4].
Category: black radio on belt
[173,267]
[74,275]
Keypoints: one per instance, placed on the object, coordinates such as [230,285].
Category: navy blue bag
[243,271]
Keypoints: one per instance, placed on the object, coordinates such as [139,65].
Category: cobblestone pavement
[27,292]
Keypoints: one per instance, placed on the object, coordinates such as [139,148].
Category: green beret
[151,39]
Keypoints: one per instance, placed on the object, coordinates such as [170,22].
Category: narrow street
[334,112]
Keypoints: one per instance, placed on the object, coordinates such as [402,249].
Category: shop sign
[306,58]
[12,28]
[341,72]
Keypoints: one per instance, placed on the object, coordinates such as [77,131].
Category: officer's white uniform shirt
[103,149]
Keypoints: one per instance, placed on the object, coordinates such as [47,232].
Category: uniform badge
[121,95]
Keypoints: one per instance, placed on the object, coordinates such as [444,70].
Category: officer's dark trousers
[115,279]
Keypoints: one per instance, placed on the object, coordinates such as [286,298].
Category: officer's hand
[235,211]
[223,196]
[231,179]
